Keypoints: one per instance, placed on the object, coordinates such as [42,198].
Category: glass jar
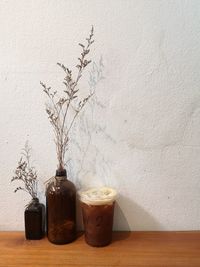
[61,209]
[34,217]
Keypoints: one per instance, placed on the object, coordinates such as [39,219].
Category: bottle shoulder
[34,206]
[60,185]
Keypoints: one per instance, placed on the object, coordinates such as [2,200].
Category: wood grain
[149,249]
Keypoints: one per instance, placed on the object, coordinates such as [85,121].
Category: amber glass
[61,210]
[34,216]
[98,223]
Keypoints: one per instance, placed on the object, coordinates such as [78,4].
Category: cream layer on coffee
[98,196]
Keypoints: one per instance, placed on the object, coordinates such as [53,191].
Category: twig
[58,110]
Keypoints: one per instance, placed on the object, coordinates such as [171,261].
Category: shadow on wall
[129,216]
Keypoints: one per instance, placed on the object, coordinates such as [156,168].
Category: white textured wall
[141,132]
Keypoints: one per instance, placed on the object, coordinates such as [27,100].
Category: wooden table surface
[150,249]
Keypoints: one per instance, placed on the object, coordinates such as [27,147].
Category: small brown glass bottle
[61,209]
[34,216]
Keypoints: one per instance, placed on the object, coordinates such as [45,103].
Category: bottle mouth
[60,173]
[35,199]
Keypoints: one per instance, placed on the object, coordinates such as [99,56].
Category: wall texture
[141,131]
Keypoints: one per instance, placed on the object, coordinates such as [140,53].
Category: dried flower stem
[58,108]
[26,173]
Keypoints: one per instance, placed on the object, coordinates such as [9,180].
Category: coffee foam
[98,196]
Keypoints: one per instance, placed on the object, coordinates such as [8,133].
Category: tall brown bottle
[61,209]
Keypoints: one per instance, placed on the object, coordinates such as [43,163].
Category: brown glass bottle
[61,209]
[34,217]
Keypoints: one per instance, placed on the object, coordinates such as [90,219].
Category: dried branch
[58,107]
[26,173]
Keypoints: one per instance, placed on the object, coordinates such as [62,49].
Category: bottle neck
[61,173]
[34,201]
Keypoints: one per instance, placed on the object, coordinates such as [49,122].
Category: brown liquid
[61,211]
[98,222]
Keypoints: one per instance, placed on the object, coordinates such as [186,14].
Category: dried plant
[26,173]
[58,106]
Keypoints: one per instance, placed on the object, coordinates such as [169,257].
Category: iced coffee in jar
[98,211]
